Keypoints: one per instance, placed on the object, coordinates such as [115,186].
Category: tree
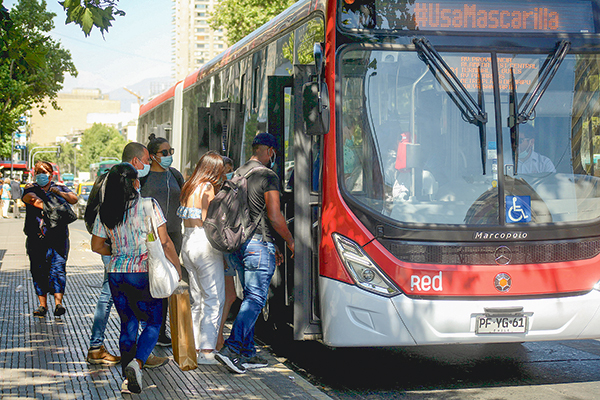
[32,64]
[241,17]
[90,13]
[99,141]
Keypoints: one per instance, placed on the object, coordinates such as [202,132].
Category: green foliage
[241,17]
[32,64]
[90,13]
[313,33]
[99,141]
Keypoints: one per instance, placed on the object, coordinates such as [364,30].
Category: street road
[538,370]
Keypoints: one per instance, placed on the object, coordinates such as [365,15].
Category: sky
[136,47]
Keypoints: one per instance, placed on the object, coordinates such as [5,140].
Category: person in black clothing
[163,183]
[47,247]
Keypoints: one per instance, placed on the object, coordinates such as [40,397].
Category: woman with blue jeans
[122,219]
[48,248]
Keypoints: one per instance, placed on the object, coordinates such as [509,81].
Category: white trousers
[207,286]
[5,204]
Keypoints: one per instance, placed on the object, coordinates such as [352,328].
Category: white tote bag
[163,275]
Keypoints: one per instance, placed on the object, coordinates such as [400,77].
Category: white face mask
[525,152]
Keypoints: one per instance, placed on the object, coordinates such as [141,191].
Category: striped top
[129,252]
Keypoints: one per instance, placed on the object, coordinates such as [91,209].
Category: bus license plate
[501,324]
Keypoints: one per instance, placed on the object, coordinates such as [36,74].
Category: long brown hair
[210,168]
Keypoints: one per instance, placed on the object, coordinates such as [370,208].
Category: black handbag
[57,212]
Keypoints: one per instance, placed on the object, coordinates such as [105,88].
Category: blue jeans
[105,302]
[132,299]
[255,263]
[47,264]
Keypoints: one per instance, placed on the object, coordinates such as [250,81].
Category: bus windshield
[411,155]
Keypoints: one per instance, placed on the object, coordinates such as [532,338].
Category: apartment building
[194,42]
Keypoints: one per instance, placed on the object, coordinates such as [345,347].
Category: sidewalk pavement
[44,358]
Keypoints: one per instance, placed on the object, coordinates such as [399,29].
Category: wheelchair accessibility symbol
[518,209]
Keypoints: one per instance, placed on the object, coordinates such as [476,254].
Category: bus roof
[264,34]
[144,108]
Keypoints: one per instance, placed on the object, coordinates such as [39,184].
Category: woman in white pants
[5,197]
[203,263]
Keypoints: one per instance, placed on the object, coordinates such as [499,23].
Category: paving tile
[44,358]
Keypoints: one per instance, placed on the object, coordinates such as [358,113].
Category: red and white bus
[436,163]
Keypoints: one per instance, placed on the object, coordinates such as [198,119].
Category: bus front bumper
[352,317]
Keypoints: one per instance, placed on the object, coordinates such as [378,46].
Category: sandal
[40,311]
[59,310]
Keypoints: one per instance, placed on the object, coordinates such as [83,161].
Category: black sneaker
[163,341]
[59,310]
[40,311]
[230,360]
[254,362]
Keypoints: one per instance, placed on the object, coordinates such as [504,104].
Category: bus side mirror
[318,55]
[315,108]
[316,98]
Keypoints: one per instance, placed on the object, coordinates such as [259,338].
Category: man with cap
[255,261]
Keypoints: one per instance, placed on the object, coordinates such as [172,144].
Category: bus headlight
[365,273]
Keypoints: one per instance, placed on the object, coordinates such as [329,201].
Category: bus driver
[531,162]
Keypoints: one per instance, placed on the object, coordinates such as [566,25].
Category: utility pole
[12,155]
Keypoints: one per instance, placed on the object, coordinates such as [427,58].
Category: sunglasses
[166,152]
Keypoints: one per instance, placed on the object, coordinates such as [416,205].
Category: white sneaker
[124,389]
[207,358]
[133,373]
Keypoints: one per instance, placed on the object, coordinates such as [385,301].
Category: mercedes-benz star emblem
[503,255]
[502,282]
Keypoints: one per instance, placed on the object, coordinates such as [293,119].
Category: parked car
[83,192]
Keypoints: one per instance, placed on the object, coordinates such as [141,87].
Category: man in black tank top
[255,261]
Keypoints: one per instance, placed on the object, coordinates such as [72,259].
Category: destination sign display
[573,16]
[466,68]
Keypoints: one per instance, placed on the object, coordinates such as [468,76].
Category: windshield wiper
[472,111]
[533,95]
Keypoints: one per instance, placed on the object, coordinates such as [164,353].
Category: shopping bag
[182,332]
[162,274]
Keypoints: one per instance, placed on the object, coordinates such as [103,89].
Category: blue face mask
[166,161]
[229,175]
[42,179]
[273,161]
[143,172]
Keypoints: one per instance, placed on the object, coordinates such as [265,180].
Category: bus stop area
[44,358]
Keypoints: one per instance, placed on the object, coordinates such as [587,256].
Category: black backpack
[227,224]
